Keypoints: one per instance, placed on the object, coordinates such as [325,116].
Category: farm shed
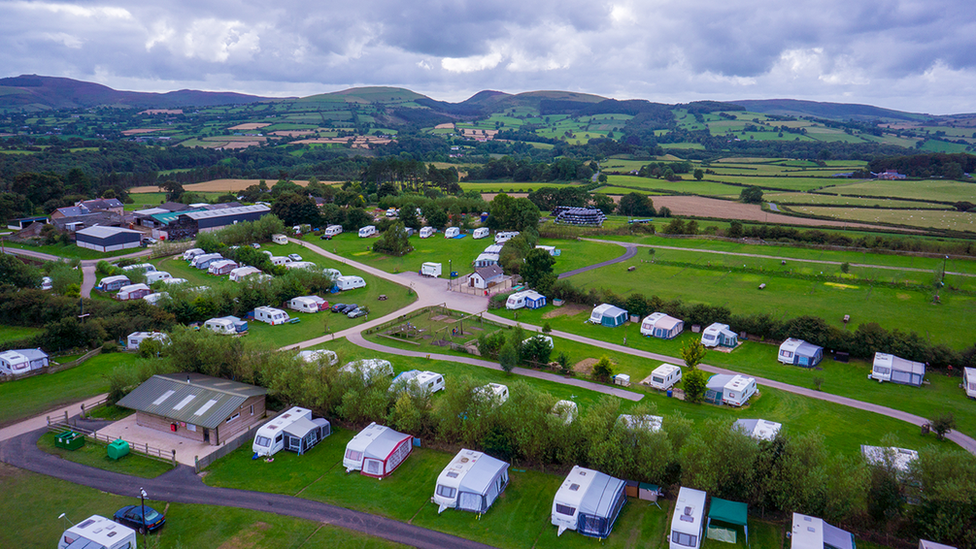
[133,291]
[969,381]
[729,512]
[211,220]
[687,524]
[113,283]
[813,533]
[590,217]
[486,277]
[135,339]
[22,223]
[899,458]
[377,451]
[294,430]
[759,429]
[221,267]
[800,353]
[733,390]
[17,362]
[240,273]
[589,502]
[608,315]
[534,300]
[195,406]
[319,354]
[472,481]
[719,335]
[661,325]
[897,370]
[108,239]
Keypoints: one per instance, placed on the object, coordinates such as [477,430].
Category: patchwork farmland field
[938,190]
[923,219]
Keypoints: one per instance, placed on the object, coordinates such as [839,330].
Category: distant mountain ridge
[832,111]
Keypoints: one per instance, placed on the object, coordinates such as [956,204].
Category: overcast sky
[912,55]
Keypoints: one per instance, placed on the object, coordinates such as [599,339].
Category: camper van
[472,481]
[377,451]
[451,232]
[191,253]
[427,232]
[308,304]
[430,269]
[203,261]
[156,276]
[367,231]
[271,315]
[480,232]
[293,430]
[370,368]
[226,325]
[332,230]
[503,237]
[279,239]
[588,502]
[495,392]
[318,354]
[418,383]
[689,516]
[350,282]
[664,377]
[98,531]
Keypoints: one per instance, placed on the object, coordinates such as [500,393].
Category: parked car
[349,308]
[255,245]
[131,516]
[295,257]
[358,312]
[337,307]
[326,237]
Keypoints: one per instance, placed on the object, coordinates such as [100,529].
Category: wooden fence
[59,426]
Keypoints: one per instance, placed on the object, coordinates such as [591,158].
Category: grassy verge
[71,251]
[16,333]
[93,454]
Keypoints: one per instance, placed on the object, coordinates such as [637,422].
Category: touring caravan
[503,237]
[301,265]
[367,231]
[226,325]
[203,261]
[643,422]
[565,410]
[515,301]
[733,390]
[240,273]
[495,393]
[759,429]
[308,304]
[271,315]
[350,282]
[662,326]
[688,521]
[156,276]
[135,339]
[317,355]
[664,377]
[293,430]
[427,232]
[377,451]
[278,260]
[113,283]
[221,267]
[813,533]
[174,280]
[431,269]
[191,253]
[418,383]
[480,232]
[451,232]
[332,273]
[141,267]
[800,353]
[897,370]
[155,298]
[332,230]
[969,381]
[17,362]
[472,481]
[370,368]
[719,335]
[133,291]
[588,502]
[98,531]
[279,239]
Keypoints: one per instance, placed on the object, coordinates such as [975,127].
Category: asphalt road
[88,275]
[631,251]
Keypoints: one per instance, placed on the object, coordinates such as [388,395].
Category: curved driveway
[87,266]
[631,251]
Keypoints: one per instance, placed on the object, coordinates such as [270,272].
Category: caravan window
[565,509]
[657,379]
[354,455]
[687,540]
[445,491]
[881,370]
[278,438]
[263,441]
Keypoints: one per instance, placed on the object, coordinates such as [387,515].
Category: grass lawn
[94,454]
[71,251]
[34,502]
[942,190]
[924,219]
[853,201]
[16,333]
[29,397]
[687,186]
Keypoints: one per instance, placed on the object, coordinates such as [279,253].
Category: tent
[608,315]
[729,512]
[471,482]
[589,502]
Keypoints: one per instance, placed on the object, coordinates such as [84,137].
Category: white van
[689,514]
[271,315]
[156,276]
[98,531]
[664,377]
[367,231]
[431,269]
[418,383]
[427,232]
[350,282]
[332,230]
[451,232]
[191,253]
[480,232]
[308,304]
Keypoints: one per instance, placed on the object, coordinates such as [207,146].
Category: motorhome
[316,355]
[156,276]
[505,236]
[367,231]
[451,232]
[141,267]
[417,382]
[191,253]
[226,325]
[369,369]
[308,304]
[98,532]
[430,269]
[688,521]
[271,315]
[350,282]
[294,430]
[332,230]
[664,377]
[427,232]
[480,232]
[472,481]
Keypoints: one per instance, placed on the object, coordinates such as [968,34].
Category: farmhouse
[897,370]
[759,429]
[17,362]
[800,353]
[608,315]
[733,390]
[113,205]
[195,406]
[108,239]
[377,451]
[133,291]
[969,381]
[472,481]
[662,326]
[719,335]
[589,502]
[486,277]
[813,533]
[294,430]
[112,283]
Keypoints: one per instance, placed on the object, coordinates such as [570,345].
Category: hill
[829,111]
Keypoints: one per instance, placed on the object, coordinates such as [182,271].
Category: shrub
[603,369]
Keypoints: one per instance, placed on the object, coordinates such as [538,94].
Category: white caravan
[241,273]
[144,267]
[350,282]
[17,362]
[566,410]
[280,260]
[367,231]
[203,261]
[664,377]
[308,304]
[418,383]
[294,430]
[226,325]
[645,422]
[301,265]
[155,298]
[156,276]
[370,368]
[191,253]
[472,481]
[174,280]
[279,239]
[688,520]
[495,393]
[451,232]
[427,232]
[503,237]
[431,269]
[271,315]
[332,230]
[480,232]
[98,531]
[135,339]
[969,381]
[317,355]
[332,273]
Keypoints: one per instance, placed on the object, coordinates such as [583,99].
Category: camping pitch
[589,502]
[471,482]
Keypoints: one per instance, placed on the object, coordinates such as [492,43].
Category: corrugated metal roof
[192,398]
[99,231]
[226,212]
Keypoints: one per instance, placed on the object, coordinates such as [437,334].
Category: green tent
[730,512]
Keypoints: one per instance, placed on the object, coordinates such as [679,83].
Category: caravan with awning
[472,481]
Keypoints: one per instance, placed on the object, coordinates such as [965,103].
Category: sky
[911,55]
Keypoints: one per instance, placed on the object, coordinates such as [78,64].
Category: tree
[538,263]
[735,229]
[295,209]
[693,353]
[695,384]
[942,424]
[603,369]
[394,241]
[16,273]
[508,356]
[436,216]
[699,174]
[636,205]
[356,218]
[604,203]
[173,190]
[751,195]
[536,351]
